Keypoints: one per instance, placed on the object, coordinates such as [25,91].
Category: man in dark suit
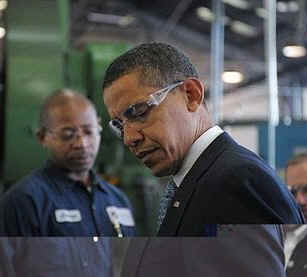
[157,106]
[296,179]
[295,250]
[296,243]
[240,250]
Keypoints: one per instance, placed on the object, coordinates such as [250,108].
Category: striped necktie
[166,199]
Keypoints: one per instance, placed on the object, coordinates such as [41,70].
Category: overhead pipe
[217,60]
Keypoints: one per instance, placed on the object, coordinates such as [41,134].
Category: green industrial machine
[40,59]
[34,68]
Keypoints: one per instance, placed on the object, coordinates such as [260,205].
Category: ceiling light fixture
[3,5]
[2,32]
[261,12]
[293,6]
[243,29]
[240,4]
[121,20]
[282,7]
[207,15]
[126,20]
[294,51]
[232,77]
[285,7]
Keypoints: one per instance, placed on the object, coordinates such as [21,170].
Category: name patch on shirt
[62,215]
[122,216]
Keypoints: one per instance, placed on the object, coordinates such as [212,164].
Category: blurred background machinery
[49,44]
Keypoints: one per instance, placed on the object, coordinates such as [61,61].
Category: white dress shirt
[195,151]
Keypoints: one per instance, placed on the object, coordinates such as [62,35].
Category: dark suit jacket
[297,266]
[248,250]
[229,184]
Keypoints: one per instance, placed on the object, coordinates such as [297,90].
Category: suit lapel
[134,256]
[174,215]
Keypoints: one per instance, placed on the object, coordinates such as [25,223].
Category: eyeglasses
[70,134]
[302,189]
[137,111]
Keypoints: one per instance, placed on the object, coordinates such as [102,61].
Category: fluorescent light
[111,19]
[294,51]
[282,7]
[2,32]
[243,28]
[126,20]
[232,77]
[3,5]
[261,12]
[285,7]
[240,4]
[207,15]
[293,6]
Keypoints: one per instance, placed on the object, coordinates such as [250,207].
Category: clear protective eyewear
[137,110]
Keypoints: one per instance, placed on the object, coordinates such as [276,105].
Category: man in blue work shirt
[66,197]
[55,257]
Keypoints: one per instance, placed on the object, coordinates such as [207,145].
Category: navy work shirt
[55,257]
[48,203]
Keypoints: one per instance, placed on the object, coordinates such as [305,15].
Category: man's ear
[41,136]
[99,124]
[195,93]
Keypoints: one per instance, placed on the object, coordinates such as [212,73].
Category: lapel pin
[176,204]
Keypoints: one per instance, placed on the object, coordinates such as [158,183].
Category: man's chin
[81,167]
[161,166]
[160,171]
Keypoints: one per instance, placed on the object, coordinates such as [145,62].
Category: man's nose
[80,140]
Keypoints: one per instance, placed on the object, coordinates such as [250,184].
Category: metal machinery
[40,59]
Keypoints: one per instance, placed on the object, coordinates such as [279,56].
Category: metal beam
[217,60]
[271,73]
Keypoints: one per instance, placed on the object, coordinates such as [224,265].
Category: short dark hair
[158,64]
[297,159]
[56,98]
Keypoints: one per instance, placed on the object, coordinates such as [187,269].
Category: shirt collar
[60,177]
[96,181]
[195,151]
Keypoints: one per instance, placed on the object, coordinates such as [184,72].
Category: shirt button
[85,264]
[94,207]
[176,204]
[95,239]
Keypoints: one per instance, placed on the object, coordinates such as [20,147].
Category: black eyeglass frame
[95,131]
